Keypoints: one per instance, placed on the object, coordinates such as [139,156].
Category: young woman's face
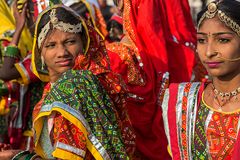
[60,50]
[215,42]
[115,32]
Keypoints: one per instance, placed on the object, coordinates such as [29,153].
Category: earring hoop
[43,64]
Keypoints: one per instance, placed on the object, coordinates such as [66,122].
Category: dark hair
[114,24]
[230,7]
[115,2]
[65,15]
[81,9]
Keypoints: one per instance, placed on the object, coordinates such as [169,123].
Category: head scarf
[94,13]
[117,18]
[95,59]
[42,74]
[214,11]
[169,34]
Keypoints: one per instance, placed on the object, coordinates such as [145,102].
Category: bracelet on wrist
[30,156]
[20,154]
[12,51]
[35,156]
[9,86]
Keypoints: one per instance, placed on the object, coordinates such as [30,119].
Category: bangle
[9,86]
[35,156]
[12,51]
[20,154]
[3,91]
[30,156]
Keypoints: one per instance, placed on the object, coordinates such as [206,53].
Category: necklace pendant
[220,109]
[222,99]
[236,98]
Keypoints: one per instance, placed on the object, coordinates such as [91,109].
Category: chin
[215,73]
[65,69]
[221,75]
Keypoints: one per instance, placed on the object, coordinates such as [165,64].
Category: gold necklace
[225,97]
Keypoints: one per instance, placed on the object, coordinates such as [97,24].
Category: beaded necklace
[225,96]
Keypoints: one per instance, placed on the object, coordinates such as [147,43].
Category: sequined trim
[79,116]
[45,141]
[24,71]
[192,104]
[186,116]
[179,115]
[165,115]
[72,149]
[99,147]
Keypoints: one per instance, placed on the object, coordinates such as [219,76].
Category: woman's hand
[4,146]
[8,154]
[20,14]
[20,18]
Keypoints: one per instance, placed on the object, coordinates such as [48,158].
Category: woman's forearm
[8,71]
[16,36]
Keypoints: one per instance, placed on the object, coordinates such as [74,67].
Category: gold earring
[43,64]
[216,52]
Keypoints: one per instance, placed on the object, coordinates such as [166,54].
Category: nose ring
[216,52]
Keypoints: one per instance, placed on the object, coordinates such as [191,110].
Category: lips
[213,64]
[64,62]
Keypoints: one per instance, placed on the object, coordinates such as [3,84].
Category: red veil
[166,32]
[163,35]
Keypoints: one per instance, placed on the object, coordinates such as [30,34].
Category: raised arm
[11,53]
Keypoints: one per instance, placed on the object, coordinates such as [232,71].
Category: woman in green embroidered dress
[202,120]
[75,118]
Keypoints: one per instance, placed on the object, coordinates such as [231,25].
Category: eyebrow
[215,34]
[66,38]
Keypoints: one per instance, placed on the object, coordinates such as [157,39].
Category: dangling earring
[43,64]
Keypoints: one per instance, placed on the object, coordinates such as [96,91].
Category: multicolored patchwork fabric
[199,145]
[222,133]
[79,98]
[182,116]
[199,132]
[67,134]
[97,61]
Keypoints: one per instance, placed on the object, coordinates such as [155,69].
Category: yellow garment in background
[8,23]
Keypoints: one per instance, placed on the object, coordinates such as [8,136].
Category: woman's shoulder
[75,82]
[184,89]
[76,79]
[76,75]
[184,84]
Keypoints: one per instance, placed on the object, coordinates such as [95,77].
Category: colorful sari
[194,129]
[119,140]
[157,49]
[97,61]
[75,117]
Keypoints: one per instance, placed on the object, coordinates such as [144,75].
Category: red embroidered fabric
[162,39]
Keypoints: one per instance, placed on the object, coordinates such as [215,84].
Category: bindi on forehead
[210,34]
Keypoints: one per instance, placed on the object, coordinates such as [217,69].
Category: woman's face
[215,40]
[115,33]
[59,51]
